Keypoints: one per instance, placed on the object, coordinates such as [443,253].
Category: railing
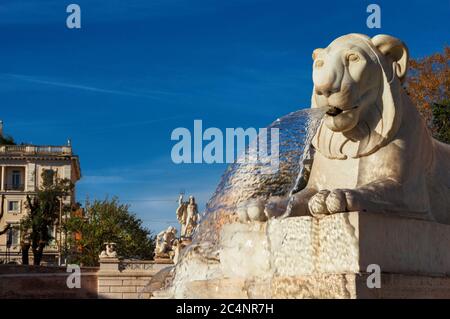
[14,187]
[13,149]
[51,249]
[136,265]
[35,150]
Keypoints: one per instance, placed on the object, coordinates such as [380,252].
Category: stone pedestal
[305,257]
[109,264]
[166,261]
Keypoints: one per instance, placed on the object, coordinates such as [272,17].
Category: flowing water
[244,181]
[241,182]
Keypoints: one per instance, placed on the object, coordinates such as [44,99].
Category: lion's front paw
[252,210]
[317,204]
[328,202]
[336,201]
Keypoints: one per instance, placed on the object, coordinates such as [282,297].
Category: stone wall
[118,279]
[40,282]
[126,279]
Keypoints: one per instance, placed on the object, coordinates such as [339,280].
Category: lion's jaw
[362,114]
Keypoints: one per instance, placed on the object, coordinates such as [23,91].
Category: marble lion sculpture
[373,152]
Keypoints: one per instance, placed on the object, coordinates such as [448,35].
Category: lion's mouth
[334,111]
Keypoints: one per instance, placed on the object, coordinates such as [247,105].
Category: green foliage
[6,140]
[44,211]
[109,221]
[441,121]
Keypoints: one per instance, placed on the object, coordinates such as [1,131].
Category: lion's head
[358,79]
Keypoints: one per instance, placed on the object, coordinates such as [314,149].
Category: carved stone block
[304,257]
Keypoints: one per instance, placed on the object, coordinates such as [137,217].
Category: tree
[44,210]
[441,121]
[5,229]
[6,140]
[109,221]
[428,86]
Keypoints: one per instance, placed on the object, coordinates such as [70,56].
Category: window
[48,177]
[13,206]
[16,179]
[52,235]
[13,238]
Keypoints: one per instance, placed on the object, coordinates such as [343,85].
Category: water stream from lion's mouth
[314,118]
[313,122]
[244,181]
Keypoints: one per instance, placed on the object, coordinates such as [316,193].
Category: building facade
[21,170]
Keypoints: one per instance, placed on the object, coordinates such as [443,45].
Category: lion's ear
[316,53]
[396,50]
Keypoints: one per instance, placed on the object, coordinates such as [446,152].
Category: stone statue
[187,215]
[374,163]
[109,251]
[176,248]
[373,151]
[166,242]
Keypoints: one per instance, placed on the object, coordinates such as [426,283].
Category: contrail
[87,88]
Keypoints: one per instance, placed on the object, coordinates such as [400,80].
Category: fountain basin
[304,257]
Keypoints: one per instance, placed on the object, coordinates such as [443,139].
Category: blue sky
[137,69]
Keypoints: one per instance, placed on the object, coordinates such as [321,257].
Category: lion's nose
[326,90]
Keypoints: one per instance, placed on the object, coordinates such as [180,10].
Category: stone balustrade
[35,150]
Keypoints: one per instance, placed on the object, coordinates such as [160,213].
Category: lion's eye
[353,57]
[319,63]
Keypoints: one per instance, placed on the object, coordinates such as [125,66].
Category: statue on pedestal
[187,215]
[166,242]
[109,251]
